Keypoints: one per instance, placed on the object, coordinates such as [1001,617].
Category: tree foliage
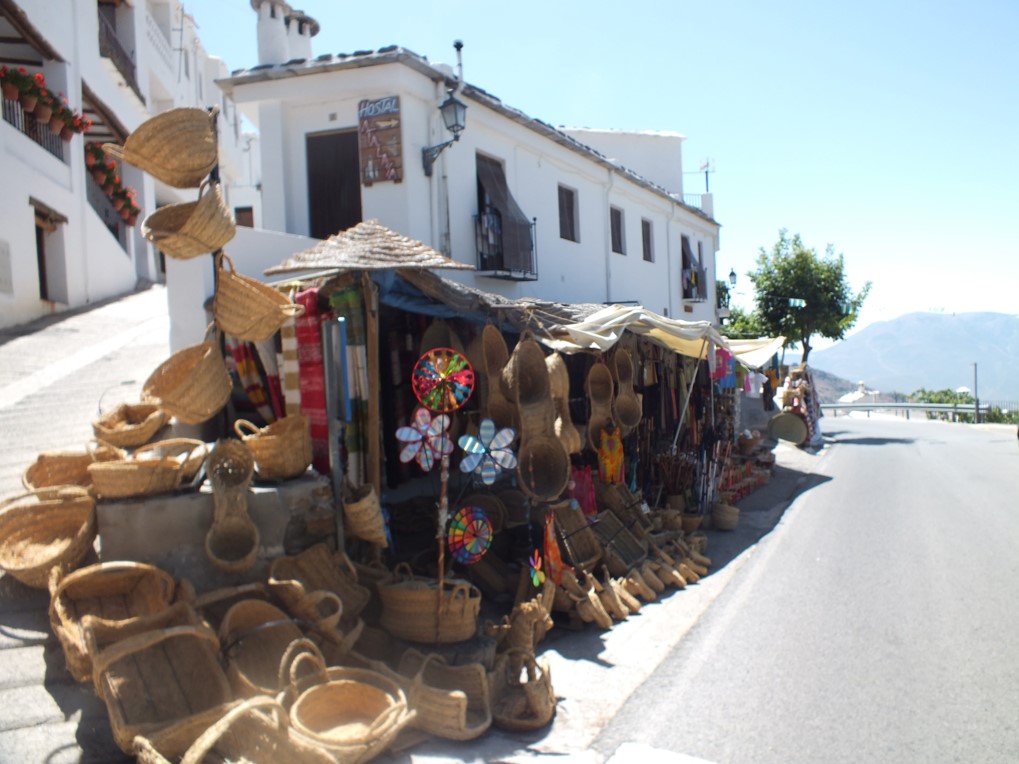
[741,325]
[822,301]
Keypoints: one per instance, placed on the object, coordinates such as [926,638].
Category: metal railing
[30,126]
[693,200]
[159,43]
[953,410]
[110,47]
[490,255]
[103,207]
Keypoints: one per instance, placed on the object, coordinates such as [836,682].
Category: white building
[564,215]
[61,242]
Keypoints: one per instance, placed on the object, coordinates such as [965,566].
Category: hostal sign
[378,131]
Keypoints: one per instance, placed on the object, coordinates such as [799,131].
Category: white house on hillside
[564,215]
[62,243]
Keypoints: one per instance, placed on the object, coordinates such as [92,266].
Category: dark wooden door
[334,183]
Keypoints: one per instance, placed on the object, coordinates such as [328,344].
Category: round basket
[192,384]
[543,468]
[282,450]
[178,146]
[189,229]
[232,544]
[725,517]
[40,530]
[413,609]
[491,505]
[255,636]
[67,468]
[130,424]
[246,308]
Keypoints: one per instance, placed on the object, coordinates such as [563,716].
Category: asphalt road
[877,623]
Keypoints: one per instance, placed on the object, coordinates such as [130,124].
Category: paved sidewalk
[54,376]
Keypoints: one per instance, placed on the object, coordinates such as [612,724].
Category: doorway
[334,182]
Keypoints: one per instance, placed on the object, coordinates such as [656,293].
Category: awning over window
[516,228]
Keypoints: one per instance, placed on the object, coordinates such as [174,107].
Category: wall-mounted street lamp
[732,277]
[454,116]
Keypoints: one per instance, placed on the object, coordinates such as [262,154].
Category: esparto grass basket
[128,478]
[414,609]
[189,229]
[40,530]
[130,424]
[246,308]
[177,146]
[190,453]
[55,468]
[254,636]
[282,450]
[192,384]
[452,702]
[362,515]
[110,594]
[522,701]
[295,579]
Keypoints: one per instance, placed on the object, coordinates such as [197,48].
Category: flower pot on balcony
[10,90]
[56,124]
[99,175]
[118,204]
[66,134]
[42,113]
[125,212]
[107,188]
[28,101]
[90,160]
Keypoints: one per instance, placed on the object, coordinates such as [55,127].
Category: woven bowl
[130,424]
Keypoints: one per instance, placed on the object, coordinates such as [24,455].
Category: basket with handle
[451,701]
[362,515]
[282,450]
[232,541]
[256,731]
[246,308]
[54,468]
[414,609]
[522,695]
[130,424]
[177,146]
[255,635]
[145,473]
[352,713]
[189,229]
[189,452]
[110,593]
[43,529]
[165,682]
[193,383]
[294,579]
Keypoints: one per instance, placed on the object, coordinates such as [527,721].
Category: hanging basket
[415,610]
[246,308]
[189,229]
[362,515]
[192,384]
[67,468]
[178,146]
[40,530]
[130,424]
[282,450]
[110,594]
[522,695]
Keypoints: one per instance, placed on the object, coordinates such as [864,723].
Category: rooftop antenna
[706,169]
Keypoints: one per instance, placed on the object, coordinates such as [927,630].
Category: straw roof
[365,247]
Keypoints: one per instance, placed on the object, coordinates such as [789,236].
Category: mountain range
[935,351]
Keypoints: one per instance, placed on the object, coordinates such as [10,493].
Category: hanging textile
[553,560]
[290,368]
[313,396]
[266,350]
[348,304]
[251,377]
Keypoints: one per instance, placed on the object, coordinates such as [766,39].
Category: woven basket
[362,515]
[580,546]
[623,551]
[246,308]
[189,229]
[451,702]
[130,424]
[109,594]
[40,530]
[295,579]
[232,544]
[282,450]
[67,468]
[724,517]
[522,695]
[352,713]
[166,682]
[255,732]
[255,636]
[188,452]
[491,505]
[132,477]
[192,384]
[543,467]
[413,609]
[177,146]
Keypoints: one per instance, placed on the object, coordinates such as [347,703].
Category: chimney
[300,29]
[273,47]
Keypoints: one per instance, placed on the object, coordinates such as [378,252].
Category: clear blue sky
[888,129]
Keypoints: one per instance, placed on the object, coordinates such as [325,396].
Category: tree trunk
[805,342]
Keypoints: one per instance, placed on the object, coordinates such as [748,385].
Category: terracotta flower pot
[99,175]
[42,112]
[66,134]
[107,188]
[56,124]
[28,101]
[10,90]
[118,204]
[90,160]
[125,212]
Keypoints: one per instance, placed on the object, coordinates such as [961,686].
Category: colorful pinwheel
[469,535]
[426,439]
[488,453]
[443,380]
[537,574]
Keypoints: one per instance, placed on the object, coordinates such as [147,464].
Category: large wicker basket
[522,704]
[246,308]
[56,468]
[255,635]
[128,478]
[451,701]
[192,384]
[282,450]
[414,609]
[178,146]
[188,452]
[40,530]
[189,229]
[295,579]
[130,424]
[110,593]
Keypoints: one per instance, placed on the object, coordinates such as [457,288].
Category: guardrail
[949,408]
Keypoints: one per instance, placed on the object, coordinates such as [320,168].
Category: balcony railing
[491,260]
[27,124]
[110,47]
[158,41]
[103,207]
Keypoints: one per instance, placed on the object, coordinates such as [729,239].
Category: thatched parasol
[365,247]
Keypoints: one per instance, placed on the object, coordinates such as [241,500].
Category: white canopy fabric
[695,339]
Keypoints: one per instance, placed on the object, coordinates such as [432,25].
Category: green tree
[800,294]
[743,325]
[961,400]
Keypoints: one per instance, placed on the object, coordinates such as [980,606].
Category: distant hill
[935,351]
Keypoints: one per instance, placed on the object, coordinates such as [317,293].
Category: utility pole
[976,396]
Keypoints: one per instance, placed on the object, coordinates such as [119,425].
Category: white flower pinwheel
[426,439]
[488,453]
